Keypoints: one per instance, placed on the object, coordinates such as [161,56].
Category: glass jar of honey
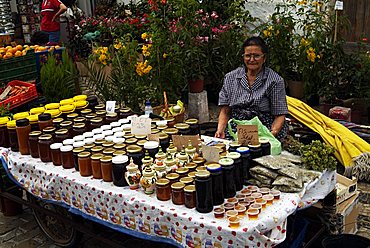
[184,129]
[33,140]
[124,113]
[194,126]
[173,177]
[96,122]
[67,156]
[102,114]
[66,125]
[34,122]
[75,152]
[44,142]
[85,112]
[106,168]
[55,153]
[163,189]
[178,197]
[50,130]
[108,152]
[4,135]
[95,165]
[72,116]
[45,121]
[136,153]
[84,163]
[13,137]
[97,149]
[182,171]
[111,117]
[80,119]
[78,129]
[99,107]
[187,180]
[189,196]
[23,130]
[56,122]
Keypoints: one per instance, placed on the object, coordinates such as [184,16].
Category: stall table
[140,215]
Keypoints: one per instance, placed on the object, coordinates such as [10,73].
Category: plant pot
[196,86]
[9,207]
[296,88]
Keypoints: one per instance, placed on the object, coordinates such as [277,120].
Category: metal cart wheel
[61,233]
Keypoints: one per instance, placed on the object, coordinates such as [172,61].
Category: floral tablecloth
[141,215]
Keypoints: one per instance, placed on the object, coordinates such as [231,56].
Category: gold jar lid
[61,131]
[163,182]
[72,115]
[101,112]
[111,115]
[35,133]
[189,188]
[128,136]
[106,159]
[84,154]
[99,107]
[107,144]
[172,176]
[192,174]
[139,137]
[191,165]
[213,166]
[177,185]
[89,146]
[124,110]
[152,126]
[202,174]
[182,170]
[171,131]
[191,121]
[96,120]
[79,119]
[79,125]
[119,146]
[182,126]
[154,131]
[86,111]
[221,146]
[99,141]
[96,149]
[134,149]
[81,104]
[96,156]
[49,130]
[58,120]
[201,168]
[199,160]
[131,141]
[187,180]
[45,137]
[163,136]
[119,153]
[141,143]
[91,116]
[37,111]
[66,123]
[108,151]
[234,144]
[78,149]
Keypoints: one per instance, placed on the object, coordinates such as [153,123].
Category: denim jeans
[54,36]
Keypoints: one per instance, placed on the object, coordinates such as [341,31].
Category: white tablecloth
[141,215]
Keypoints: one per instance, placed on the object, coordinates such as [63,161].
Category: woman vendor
[253,90]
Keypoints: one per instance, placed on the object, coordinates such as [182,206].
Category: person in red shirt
[50,12]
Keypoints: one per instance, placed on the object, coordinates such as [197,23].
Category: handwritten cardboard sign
[140,125]
[182,141]
[247,134]
[211,153]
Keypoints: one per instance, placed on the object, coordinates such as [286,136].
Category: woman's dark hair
[39,38]
[256,41]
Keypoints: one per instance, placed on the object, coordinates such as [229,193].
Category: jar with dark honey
[163,189]
[119,164]
[111,117]
[108,152]
[79,129]
[173,177]
[246,163]
[96,122]
[67,125]
[34,122]
[99,107]
[119,153]
[61,135]
[44,142]
[136,153]
[265,145]
[182,171]
[227,165]
[33,141]
[106,168]
[67,156]
[171,131]
[203,192]
[217,183]
[102,114]
[171,122]
[124,113]
[95,165]
[107,144]
[23,130]
[152,148]
[50,130]
[189,196]
[45,121]
[56,122]
[99,142]
[55,153]
[191,166]
[194,126]
[238,169]
[13,137]
[4,135]
[131,141]
[84,163]
[233,146]
[80,119]
[187,180]
[164,141]
[88,147]
[184,129]
[75,152]
[199,161]
[255,151]
[72,116]
[178,197]
[85,112]
[119,146]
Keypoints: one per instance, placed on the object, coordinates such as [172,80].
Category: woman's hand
[220,134]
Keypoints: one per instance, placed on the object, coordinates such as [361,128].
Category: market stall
[74,156]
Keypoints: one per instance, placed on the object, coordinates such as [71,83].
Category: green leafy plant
[59,78]
[318,156]
[4,110]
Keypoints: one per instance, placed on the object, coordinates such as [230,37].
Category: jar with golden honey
[106,168]
[45,121]
[44,142]
[163,189]
[95,165]
[23,130]
[178,197]
[190,196]
[84,163]
[75,152]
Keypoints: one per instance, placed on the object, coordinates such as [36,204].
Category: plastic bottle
[148,108]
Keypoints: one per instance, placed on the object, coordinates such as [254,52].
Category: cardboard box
[345,188]
[349,211]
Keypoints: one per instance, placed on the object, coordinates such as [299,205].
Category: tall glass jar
[34,122]
[95,165]
[203,192]
[55,153]
[190,196]
[75,152]
[238,169]
[23,130]
[45,121]
[177,195]
[255,151]
[119,164]
[245,155]
[4,135]
[44,142]
[106,168]
[227,165]
[84,163]
[67,157]
[13,137]
[265,145]
[33,140]
[217,183]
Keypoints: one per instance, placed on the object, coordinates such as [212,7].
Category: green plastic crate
[21,68]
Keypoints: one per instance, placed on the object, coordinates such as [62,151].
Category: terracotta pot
[196,86]
[296,89]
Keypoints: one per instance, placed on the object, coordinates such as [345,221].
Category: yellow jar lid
[66,101]
[54,112]
[21,115]
[11,124]
[178,185]
[189,188]
[33,118]
[4,120]
[80,98]
[163,182]
[35,111]
[52,106]
[67,108]
[81,104]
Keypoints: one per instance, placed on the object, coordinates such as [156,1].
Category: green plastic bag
[262,132]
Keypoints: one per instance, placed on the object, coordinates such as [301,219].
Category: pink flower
[214,15]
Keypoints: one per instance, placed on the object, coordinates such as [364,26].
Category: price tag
[140,125]
[211,153]
[181,141]
[247,134]
[110,106]
[338,5]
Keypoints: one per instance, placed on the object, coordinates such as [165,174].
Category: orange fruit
[57,47]
[18,53]
[13,50]
[19,48]
[9,47]
[24,52]
[9,55]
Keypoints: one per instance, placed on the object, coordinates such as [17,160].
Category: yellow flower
[144,36]
[117,45]
[104,62]
[316,3]
[277,32]
[266,33]
[311,55]
[102,57]
[165,55]
[142,68]
[105,49]
[303,2]
[269,28]
[305,42]
[146,48]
